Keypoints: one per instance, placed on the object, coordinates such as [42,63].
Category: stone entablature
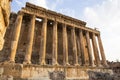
[42,12]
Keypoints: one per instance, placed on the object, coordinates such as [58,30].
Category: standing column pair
[16,35]
[102,51]
[91,61]
[96,52]
[95,49]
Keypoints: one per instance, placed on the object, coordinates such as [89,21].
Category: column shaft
[30,41]
[102,51]
[65,46]
[82,47]
[95,49]
[74,46]
[42,51]
[89,49]
[55,45]
[16,35]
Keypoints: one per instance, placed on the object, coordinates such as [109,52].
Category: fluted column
[91,62]
[42,51]
[102,51]
[95,49]
[74,46]
[82,47]
[65,46]
[30,38]
[16,35]
[55,45]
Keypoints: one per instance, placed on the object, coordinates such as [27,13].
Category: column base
[92,65]
[9,61]
[99,65]
[27,62]
[42,63]
[67,64]
[105,65]
[76,64]
[55,64]
[85,65]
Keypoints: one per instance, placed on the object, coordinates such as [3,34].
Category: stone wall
[36,72]
[102,76]
[115,66]
[4,19]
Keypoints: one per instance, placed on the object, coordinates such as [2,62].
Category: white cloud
[49,4]
[41,3]
[19,3]
[68,12]
[52,4]
[106,17]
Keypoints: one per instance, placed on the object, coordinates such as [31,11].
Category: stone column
[30,38]
[42,51]
[74,44]
[89,49]
[16,35]
[95,49]
[82,46]
[65,46]
[102,51]
[55,45]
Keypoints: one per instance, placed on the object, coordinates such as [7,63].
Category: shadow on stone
[57,75]
[102,76]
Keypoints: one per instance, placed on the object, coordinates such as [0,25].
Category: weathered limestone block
[57,75]
[102,76]
[1,71]
[4,19]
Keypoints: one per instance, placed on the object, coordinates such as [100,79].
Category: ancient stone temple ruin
[45,45]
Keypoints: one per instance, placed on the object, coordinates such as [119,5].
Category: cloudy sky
[101,14]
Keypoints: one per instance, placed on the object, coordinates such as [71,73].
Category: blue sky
[102,14]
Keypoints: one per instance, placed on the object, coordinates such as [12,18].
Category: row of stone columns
[42,52]
[91,61]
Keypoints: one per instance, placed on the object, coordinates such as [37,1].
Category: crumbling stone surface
[4,19]
[102,76]
[115,66]
[5,77]
[57,75]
